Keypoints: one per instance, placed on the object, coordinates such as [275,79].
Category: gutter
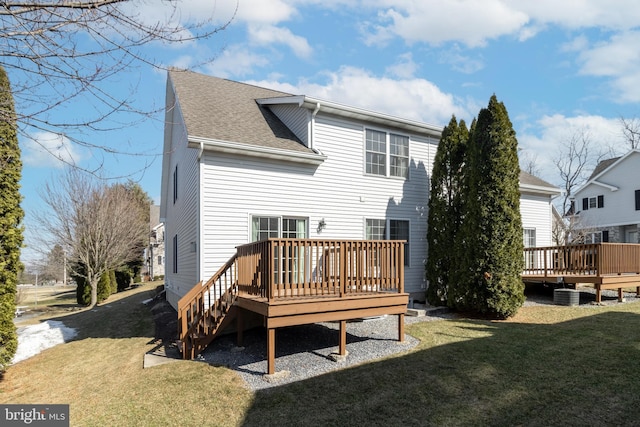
[314,158]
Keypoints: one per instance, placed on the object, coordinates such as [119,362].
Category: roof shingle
[224,110]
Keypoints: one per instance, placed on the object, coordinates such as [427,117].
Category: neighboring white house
[607,207]
[243,163]
[154,252]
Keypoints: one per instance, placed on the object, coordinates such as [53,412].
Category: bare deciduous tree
[58,52]
[573,161]
[97,225]
[529,163]
[631,131]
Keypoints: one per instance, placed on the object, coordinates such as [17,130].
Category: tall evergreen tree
[11,215]
[490,241]
[445,209]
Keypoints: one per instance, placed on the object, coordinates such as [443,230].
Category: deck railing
[583,260]
[288,268]
[283,268]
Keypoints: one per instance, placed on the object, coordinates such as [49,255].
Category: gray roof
[601,166]
[224,110]
[528,179]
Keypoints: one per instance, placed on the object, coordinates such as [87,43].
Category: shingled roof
[224,110]
[601,166]
[528,179]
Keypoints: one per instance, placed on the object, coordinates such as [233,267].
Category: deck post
[342,348]
[239,326]
[598,294]
[401,327]
[271,351]
[620,295]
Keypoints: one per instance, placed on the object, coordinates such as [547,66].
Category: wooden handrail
[583,259]
[283,268]
[288,268]
[202,309]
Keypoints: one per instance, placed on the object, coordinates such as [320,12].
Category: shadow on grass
[123,315]
[581,372]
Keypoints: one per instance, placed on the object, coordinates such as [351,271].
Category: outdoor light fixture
[321,225]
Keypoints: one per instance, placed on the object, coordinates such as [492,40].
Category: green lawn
[547,366]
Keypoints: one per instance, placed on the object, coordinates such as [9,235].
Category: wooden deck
[293,282]
[604,265]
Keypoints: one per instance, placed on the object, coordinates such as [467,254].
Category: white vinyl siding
[619,206]
[537,215]
[181,215]
[296,119]
[237,189]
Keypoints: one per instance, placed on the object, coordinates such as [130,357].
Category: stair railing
[202,309]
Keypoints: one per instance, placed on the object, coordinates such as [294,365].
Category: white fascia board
[607,186]
[355,113]
[551,191]
[611,166]
[256,151]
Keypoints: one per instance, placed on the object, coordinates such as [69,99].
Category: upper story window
[638,200]
[592,202]
[387,154]
[175,184]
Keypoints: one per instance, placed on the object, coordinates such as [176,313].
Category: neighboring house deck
[294,282]
[604,265]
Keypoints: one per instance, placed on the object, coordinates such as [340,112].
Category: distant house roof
[532,183]
[601,166]
[223,110]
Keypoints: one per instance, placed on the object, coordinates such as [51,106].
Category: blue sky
[559,67]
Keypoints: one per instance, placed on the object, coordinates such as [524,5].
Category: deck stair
[207,310]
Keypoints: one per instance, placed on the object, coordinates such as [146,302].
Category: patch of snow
[147,301]
[35,338]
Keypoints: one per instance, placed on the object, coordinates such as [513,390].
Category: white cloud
[411,98]
[49,150]
[617,59]
[459,62]
[552,130]
[405,67]
[268,35]
[236,61]
[437,21]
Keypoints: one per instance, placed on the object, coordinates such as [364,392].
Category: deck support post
[598,295]
[620,295]
[342,348]
[271,351]
[401,327]
[239,327]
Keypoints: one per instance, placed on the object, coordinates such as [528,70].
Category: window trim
[388,155]
[175,184]
[281,219]
[387,235]
[174,267]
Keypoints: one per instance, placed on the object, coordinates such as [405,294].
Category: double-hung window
[393,229]
[386,154]
[592,202]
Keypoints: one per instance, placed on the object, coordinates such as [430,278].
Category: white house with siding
[607,206]
[242,163]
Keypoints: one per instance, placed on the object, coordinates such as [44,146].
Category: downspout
[201,150]
[313,127]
